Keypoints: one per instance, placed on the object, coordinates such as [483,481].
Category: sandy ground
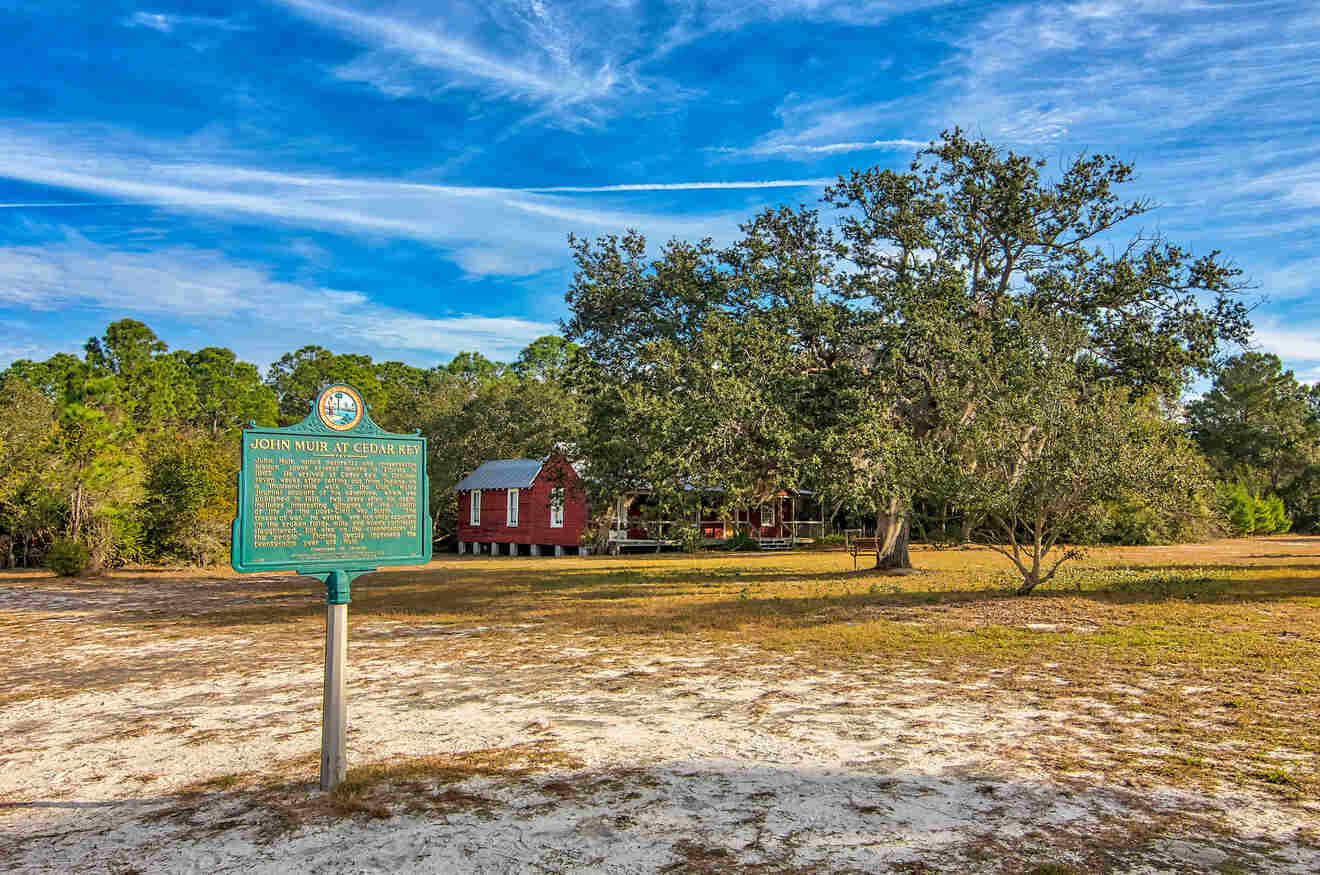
[732,761]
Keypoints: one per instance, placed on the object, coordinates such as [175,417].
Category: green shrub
[688,538]
[1275,776]
[1239,508]
[834,540]
[740,541]
[1271,516]
[68,558]
[1249,514]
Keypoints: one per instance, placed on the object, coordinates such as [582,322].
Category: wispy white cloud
[1294,344]
[21,340]
[536,53]
[1300,279]
[1210,100]
[40,205]
[1091,72]
[689,186]
[487,230]
[699,19]
[166,22]
[1102,71]
[817,150]
[472,223]
[812,127]
[196,285]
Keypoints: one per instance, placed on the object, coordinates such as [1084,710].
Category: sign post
[333,497]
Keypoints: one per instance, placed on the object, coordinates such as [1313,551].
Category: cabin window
[557,508]
[474,507]
[512,516]
[768,515]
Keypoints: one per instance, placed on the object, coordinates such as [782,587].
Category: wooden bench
[863,545]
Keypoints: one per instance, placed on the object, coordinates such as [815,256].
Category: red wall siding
[533,511]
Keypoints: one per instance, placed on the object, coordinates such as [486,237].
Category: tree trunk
[75,518]
[838,506]
[891,531]
[897,557]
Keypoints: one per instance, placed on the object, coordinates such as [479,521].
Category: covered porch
[790,518]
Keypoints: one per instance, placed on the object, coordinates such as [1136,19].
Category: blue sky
[399,178]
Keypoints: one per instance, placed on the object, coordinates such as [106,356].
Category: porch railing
[659,530]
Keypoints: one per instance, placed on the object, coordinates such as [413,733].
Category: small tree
[1250,514]
[68,558]
[1046,453]
[1274,517]
[1239,507]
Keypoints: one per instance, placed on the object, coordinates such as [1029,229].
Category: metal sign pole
[334,702]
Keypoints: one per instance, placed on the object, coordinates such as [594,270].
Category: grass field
[1153,707]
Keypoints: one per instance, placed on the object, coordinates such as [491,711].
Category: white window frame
[511,508]
[557,508]
[474,507]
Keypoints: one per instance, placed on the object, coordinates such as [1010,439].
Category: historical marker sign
[332,497]
[333,493]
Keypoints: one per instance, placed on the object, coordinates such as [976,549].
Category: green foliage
[1260,428]
[298,376]
[741,542]
[1239,508]
[1139,520]
[1048,450]
[1275,776]
[688,538]
[1273,517]
[189,499]
[545,359]
[68,558]
[228,393]
[951,337]
[1248,513]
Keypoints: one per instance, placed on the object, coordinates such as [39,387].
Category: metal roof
[502,474]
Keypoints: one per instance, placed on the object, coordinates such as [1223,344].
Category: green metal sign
[332,497]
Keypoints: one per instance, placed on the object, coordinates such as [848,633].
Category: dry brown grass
[284,796]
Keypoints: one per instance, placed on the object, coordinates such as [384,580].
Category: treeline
[129,453]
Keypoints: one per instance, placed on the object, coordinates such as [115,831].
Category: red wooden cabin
[521,506]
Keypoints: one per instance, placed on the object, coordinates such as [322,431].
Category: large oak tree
[848,358]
